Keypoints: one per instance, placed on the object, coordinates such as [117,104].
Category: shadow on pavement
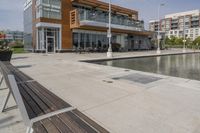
[17,58]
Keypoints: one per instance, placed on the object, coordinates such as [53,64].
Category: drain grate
[140,78]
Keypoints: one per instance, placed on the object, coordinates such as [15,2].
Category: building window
[48,9]
[140,42]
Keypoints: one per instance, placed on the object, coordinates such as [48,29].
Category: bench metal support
[18,99]
[52,114]
[1,82]
[30,130]
[5,102]
[29,122]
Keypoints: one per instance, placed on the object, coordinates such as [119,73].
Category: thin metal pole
[109,53]
[110,49]
[158,37]
[46,42]
[184,41]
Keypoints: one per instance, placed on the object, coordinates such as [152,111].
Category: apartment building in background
[12,36]
[174,24]
[62,25]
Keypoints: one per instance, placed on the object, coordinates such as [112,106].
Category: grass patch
[18,50]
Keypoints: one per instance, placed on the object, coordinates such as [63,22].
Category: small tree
[171,40]
[189,42]
[196,41]
[178,41]
[167,41]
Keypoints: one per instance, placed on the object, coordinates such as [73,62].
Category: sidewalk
[167,105]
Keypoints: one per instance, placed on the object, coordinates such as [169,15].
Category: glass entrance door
[50,44]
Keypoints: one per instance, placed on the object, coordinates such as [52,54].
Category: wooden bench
[41,110]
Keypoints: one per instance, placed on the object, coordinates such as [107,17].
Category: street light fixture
[158,36]
[109,35]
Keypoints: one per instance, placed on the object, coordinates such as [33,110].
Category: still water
[184,66]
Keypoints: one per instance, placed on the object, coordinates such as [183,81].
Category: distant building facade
[174,24]
[12,36]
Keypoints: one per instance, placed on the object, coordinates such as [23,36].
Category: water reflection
[185,66]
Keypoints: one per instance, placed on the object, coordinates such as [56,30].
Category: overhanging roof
[104,5]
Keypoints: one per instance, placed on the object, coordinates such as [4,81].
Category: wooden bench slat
[52,97]
[30,111]
[36,98]
[71,123]
[45,99]
[81,123]
[30,102]
[90,121]
[64,117]
[55,120]
[49,126]
[63,128]
[39,128]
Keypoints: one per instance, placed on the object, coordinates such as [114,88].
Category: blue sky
[11,11]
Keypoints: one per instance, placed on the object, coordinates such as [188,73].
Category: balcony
[195,19]
[86,17]
[174,21]
[195,24]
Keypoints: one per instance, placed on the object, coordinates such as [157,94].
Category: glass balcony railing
[195,18]
[174,21]
[102,16]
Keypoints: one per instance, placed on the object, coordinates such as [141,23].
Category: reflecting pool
[184,66]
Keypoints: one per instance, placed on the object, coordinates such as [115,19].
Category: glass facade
[28,28]
[48,39]
[91,39]
[48,9]
[85,39]
[96,15]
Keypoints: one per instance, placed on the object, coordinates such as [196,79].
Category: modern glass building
[63,25]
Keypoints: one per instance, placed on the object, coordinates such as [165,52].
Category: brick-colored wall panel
[66,31]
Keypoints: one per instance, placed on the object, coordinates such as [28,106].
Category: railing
[195,19]
[174,21]
[102,17]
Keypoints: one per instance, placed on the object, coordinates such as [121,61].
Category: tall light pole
[184,40]
[109,53]
[158,36]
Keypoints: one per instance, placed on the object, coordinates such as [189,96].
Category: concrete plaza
[167,105]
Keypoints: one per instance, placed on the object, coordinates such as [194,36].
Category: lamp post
[109,35]
[158,36]
[184,40]
[184,49]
